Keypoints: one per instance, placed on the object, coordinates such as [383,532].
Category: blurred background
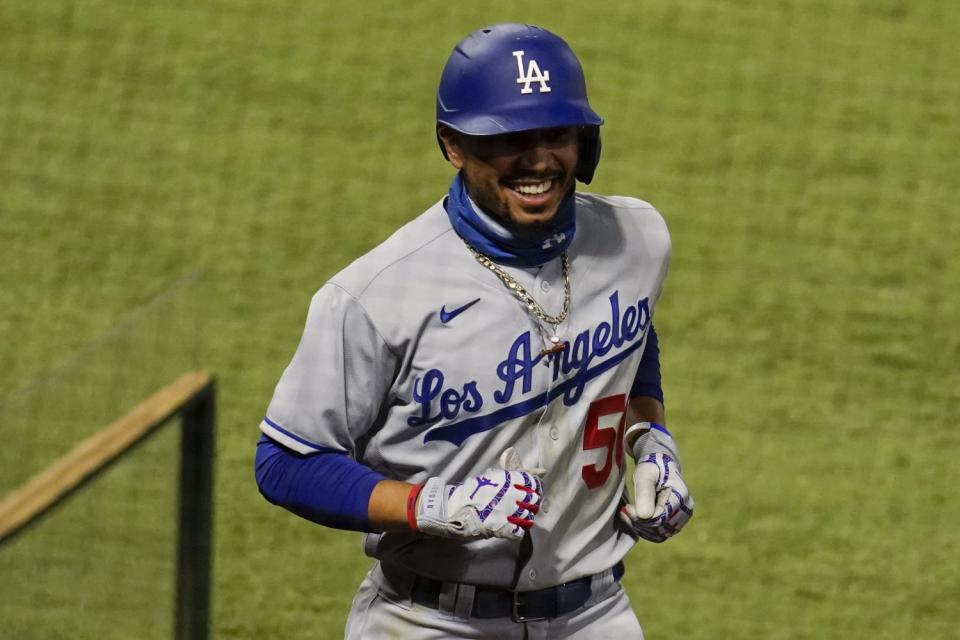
[178,178]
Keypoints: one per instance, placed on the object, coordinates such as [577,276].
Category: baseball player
[467,393]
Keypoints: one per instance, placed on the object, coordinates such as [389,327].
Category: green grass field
[804,154]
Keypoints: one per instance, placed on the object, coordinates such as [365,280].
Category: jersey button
[554,433]
[544,286]
[545,506]
[532,574]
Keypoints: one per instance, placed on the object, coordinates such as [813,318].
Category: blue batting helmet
[516,77]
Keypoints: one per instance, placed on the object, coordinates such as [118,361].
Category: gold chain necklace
[532,306]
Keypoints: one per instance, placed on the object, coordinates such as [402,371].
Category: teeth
[533,189]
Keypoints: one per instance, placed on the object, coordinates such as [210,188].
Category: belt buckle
[515,614]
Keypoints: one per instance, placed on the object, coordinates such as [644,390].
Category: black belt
[520,606]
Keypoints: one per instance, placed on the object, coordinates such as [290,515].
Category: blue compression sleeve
[328,487]
[647,380]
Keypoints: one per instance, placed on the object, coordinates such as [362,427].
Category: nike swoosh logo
[447,316]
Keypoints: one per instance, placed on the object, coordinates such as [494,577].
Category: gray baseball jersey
[419,362]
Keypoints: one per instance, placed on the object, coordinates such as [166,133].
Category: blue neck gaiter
[500,245]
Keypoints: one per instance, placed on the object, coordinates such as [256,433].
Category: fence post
[192,617]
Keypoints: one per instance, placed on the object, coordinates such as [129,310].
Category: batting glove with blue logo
[662,504]
[498,503]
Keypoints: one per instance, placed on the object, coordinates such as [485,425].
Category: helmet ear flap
[588,156]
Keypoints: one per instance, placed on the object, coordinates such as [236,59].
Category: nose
[535,157]
[533,150]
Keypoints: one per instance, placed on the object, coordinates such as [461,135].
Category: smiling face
[517,178]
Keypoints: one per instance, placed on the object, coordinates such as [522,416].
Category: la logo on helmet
[533,75]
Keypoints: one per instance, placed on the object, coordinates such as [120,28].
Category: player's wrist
[413,503]
[643,438]
[632,436]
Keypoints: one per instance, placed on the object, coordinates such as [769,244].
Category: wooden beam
[44,490]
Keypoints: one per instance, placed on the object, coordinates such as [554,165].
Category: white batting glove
[662,504]
[498,503]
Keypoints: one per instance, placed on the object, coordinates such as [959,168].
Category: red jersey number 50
[610,413]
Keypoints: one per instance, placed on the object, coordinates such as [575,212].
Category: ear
[451,149]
